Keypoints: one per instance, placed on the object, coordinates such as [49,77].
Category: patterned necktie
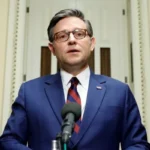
[73,96]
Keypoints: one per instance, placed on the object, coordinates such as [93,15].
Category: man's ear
[93,42]
[51,48]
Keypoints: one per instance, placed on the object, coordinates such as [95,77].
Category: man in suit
[109,111]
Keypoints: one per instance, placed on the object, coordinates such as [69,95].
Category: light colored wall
[3,36]
[141,59]
[149,14]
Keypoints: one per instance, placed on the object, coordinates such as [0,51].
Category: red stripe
[76,128]
[75,96]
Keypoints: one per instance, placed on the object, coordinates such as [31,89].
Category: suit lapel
[55,95]
[95,96]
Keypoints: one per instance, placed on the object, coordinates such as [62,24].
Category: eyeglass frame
[68,33]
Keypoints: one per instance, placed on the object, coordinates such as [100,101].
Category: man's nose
[71,37]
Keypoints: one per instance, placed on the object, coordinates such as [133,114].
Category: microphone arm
[67,127]
[71,112]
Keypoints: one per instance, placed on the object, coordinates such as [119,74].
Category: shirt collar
[83,77]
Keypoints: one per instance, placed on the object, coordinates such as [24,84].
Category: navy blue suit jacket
[111,117]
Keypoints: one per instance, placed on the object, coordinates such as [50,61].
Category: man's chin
[74,63]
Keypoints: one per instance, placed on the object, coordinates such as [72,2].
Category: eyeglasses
[63,36]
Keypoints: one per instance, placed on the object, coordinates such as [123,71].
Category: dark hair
[64,14]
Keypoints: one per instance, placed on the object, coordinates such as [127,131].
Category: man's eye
[62,36]
[79,34]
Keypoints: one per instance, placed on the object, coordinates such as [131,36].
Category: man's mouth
[73,51]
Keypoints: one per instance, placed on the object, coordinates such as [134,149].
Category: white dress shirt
[82,87]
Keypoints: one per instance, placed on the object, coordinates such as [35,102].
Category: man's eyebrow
[62,31]
[65,30]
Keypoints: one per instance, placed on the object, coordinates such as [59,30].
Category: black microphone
[71,113]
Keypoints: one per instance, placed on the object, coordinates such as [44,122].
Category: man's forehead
[69,23]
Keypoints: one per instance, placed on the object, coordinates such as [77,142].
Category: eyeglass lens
[64,35]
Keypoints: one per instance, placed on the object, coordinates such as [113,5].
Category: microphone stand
[59,141]
[61,138]
[71,112]
[57,144]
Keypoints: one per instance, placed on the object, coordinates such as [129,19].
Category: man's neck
[75,71]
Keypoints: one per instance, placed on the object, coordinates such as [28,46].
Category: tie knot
[74,81]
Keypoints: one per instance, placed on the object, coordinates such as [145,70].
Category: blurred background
[122,31]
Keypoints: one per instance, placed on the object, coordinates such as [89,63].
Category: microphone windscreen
[72,107]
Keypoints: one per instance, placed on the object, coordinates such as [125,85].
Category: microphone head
[71,108]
